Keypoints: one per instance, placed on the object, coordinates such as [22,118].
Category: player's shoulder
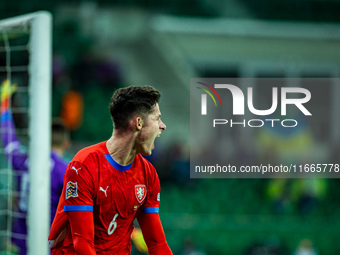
[145,164]
[149,171]
[142,160]
[90,153]
[58,166]
[58,161]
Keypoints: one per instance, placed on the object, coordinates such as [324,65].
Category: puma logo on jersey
[73,168]
[104,190]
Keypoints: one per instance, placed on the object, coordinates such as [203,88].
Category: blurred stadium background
[101,45]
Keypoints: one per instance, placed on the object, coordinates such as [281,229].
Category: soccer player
[19,159]
[109,184]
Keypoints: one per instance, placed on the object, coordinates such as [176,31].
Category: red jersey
[116,194]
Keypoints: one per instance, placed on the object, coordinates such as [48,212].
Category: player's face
[152,128]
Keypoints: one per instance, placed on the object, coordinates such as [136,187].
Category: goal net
[25,60]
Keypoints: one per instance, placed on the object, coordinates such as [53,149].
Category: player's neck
[121,148]
[58,151]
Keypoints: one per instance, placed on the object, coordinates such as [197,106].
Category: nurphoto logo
[238,104]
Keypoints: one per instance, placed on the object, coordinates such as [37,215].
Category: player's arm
[149,220]
[10,141]
[78,206]
[82,228]
[153,232]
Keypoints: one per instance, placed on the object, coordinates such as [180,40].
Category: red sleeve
[153,197]
[82,228]
[77,198]
[79,187]
[153,234]
[79,192]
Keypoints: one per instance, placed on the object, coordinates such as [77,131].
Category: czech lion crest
[140,192]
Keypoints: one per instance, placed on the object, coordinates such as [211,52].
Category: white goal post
[39,27]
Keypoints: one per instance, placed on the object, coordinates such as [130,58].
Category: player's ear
[138,123]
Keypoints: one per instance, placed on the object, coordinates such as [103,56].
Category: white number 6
[113,225]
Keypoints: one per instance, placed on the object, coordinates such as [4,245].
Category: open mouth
[155,139]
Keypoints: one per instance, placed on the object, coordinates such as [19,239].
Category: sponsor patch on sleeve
[71,190]
[159,197]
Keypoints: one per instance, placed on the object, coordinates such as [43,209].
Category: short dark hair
[132,100]
[60,132]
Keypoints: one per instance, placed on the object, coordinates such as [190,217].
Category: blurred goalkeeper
[19,155]
[109,184]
